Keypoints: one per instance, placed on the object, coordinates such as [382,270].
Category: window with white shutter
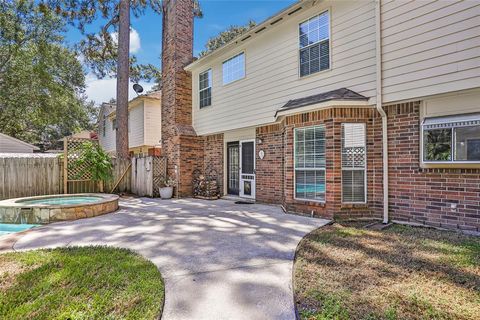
[354,163]
[310,163]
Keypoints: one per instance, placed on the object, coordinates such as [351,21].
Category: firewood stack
[205,187]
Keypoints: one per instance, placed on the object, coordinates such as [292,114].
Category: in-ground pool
[46,209]
[6,228]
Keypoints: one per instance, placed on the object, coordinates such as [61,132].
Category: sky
[146,35]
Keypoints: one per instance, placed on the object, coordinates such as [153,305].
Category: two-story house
[341,109]
[144,131]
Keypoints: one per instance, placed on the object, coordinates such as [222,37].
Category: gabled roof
[342,94]
[266,24]
[110,108]
[19,141]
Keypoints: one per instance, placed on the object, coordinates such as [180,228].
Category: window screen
[452,139]
[353,163]
[309,156]
[205,88]
[234,68]
[315,44]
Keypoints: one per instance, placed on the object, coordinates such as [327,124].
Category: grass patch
[79,283]
[343,271]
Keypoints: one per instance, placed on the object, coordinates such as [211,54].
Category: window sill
[450,165]
[309,202]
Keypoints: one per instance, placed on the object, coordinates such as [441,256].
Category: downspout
[378,55]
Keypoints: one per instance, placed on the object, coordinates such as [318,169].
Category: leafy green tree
[107,56]
[226,36]
[41,81]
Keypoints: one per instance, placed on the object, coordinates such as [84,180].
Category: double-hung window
[315,44]
[234,68]
[205,88]
[309,161]
[354,156]
[451,139]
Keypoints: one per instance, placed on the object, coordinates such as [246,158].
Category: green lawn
[79,283]
[344,271]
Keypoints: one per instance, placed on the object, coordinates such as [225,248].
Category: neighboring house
[144,130]
[314,108]
[12,145]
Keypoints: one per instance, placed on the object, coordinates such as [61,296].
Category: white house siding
[107,141]
[136,120]
[429,47]
[12,145]
[272,72]
[153,122]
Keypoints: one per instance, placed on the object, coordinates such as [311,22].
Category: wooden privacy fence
[148,174]
[32,176]
[43,175]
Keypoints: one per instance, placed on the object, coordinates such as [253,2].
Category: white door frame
[247,177]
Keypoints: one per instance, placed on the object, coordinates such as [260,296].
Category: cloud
[102,90]
[135,42]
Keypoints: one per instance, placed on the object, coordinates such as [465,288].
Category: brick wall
[332,119]
[213,157]
[269,178]
[425,195]
[179,141]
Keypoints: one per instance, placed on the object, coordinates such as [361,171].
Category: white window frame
[364,169]
[452,127]
[209,71]
[244,68]
[329,45]
[324,169]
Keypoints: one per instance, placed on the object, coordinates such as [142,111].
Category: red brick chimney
[180,143]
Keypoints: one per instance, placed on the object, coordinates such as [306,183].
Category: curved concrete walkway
[220,260]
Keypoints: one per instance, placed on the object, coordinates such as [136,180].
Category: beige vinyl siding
[108,141]
[452,104]
[12,145]
[429,47]
[153,122]
[136,118]
[272,72]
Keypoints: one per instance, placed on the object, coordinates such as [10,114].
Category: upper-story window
[234,68]
[451,139]
[114,124]
[315,44]
[205,88]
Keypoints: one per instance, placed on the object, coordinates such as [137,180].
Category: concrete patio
[220,260]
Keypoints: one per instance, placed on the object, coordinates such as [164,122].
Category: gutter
[378,55]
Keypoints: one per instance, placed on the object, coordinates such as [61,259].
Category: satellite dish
[138,88]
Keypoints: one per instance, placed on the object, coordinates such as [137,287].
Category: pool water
[6,228]
[63,200]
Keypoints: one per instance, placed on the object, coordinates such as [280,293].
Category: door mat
[243,202]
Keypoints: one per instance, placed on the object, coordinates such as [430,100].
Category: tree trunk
[123,69]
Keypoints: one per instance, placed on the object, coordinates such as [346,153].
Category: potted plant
[166,189]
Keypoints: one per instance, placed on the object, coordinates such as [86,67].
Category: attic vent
[260,30]
[249,36]
[294,11]
[276,21]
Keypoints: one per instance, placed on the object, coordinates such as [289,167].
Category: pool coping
[104,198]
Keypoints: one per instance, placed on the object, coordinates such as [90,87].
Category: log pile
[205,187]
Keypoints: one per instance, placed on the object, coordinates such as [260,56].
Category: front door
[233,168]
[247,169]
